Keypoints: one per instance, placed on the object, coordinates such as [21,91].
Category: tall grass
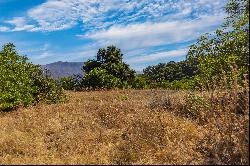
[132,127]
[222,112]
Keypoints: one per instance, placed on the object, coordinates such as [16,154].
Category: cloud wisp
[157,56]
[54,15]
[145,30]
[155,34]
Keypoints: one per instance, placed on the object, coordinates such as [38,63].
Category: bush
[46,89]
[219,54]
[196,107]
[108,70]
[71,82]
[99,78]
[140,83]
[23,83]
[184,84]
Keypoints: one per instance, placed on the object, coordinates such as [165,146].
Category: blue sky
[147,31]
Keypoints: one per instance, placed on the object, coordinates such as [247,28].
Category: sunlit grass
[121,127]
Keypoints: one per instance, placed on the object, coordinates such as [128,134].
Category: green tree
[90,65]
[23,83]
[107,65]
[170,71]
[229,46]
[100,78]
[140,82]
[15,82]
[71,82]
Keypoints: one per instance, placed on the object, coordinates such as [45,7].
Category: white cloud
[155,34]
[157,56]
[20,24]
[4,29]
[44,52]
[46,55]
[54,15]
[135,26]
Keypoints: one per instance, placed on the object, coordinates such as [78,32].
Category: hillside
[123,127]
[62,69]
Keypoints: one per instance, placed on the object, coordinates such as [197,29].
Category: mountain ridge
[64,69]
[61,69]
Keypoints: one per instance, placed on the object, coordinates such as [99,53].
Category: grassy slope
[101,127]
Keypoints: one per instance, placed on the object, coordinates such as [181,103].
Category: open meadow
[129,127]
[124,82]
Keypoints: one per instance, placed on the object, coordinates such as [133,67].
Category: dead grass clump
[223,113]
[122,127]
[158,138]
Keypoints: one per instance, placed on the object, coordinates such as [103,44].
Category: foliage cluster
[71,82]
[227,50]
[23,83]
[170,71]
[172,75]
[107,70]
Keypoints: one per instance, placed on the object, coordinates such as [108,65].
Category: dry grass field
[129,127]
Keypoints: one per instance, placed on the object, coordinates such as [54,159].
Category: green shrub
[23,83]
[197,108]
[71,83]
[100,78]
[107,70]
[47,89]
[225,52]
[184,84]
[140,83]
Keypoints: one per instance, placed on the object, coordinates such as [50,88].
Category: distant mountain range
[64,69]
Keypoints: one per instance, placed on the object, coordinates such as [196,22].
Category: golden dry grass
[110,127]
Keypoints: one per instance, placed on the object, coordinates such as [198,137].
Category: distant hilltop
[63,69]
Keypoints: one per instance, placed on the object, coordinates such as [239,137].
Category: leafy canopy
[23,83]
[227,50]
[107,70]
[170,71]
